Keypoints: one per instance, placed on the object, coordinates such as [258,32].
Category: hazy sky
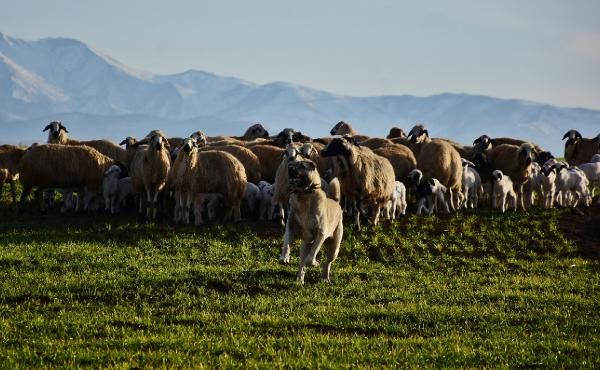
[547,51]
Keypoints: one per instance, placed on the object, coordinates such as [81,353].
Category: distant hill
[97,96]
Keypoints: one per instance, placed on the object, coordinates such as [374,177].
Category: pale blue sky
[547,51]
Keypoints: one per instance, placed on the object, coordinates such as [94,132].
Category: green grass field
[470,289]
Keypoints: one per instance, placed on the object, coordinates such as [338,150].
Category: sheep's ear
[431,182]
[566,135]
[124,142]
[47,128]
[60,125]
[425,132]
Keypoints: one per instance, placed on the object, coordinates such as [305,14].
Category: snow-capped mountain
[97,96]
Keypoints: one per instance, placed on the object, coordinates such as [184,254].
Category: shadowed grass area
[470,289]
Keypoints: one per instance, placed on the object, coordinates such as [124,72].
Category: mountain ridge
[63,77]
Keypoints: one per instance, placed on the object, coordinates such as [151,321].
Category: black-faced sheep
[579,149]
[58,134]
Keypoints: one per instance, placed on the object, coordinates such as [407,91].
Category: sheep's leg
[155,204]
[13,193]
[288,239]
[356,215]
[375,211]
[451,199]
[198,210]
[148,203]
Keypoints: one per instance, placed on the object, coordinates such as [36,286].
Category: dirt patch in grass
[583,230]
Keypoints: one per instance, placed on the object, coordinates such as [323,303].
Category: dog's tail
[335,191]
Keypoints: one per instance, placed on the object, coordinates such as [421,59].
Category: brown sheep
[438,159]
[62,166]
[578,149]
[270,158]
[181,178]
[515,162]
[254,132]
[375,143]
[366,178]
[246,157]
[149,170]
[402,159]
[230,182]
[485,143]
[58,134]
[10,156]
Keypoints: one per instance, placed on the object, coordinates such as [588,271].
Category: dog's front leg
[288,239]
[302,268]
[315,246]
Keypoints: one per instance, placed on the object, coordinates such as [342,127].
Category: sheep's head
[158,142]
[415,175]
[482,143]
[129,141]
[549,171]
[497,175]
[303,176]
[572,135]
[189,145]
[199,138]
[339,146]
[418,134]
[255,131]
[56,128]
[396,132]
[342,128]
[288,135]
[467,163]
[113,171]
[308,150]
[595,158]
[526,154]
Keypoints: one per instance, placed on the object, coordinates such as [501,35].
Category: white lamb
[572,186]
[110,188]
[548,179]
[592,172]
[267,204]
[471,184]
[397,205]
[503,191]
[210,202]
[252,198]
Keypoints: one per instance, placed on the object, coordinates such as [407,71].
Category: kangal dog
[313,217]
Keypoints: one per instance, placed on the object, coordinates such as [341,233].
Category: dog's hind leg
[333,248]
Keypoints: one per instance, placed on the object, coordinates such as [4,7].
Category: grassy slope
[468,289]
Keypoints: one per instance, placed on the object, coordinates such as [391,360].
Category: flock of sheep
[226,176]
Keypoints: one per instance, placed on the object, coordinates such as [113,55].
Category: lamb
[548,180]
[58,134]
[571,180]
[267,204]
[401,158]
[503,190]
[248,159]
[515,162]
[124,191]
[578,149]
[365,177]
[149,170]
[60,166]
[230,182]
[10,156]
[210,202]
[251,199]
[438,159]
[397,205]
[592,172]
[269,157]
[533,185]
[471,184]
[426,190]
[110,187]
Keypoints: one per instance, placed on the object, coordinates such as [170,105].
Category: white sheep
[548,180]
[503,190]
[267,204]
[471,184]
[211,202]
[397,205]
[110,188]
[252,198]
[592,172]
